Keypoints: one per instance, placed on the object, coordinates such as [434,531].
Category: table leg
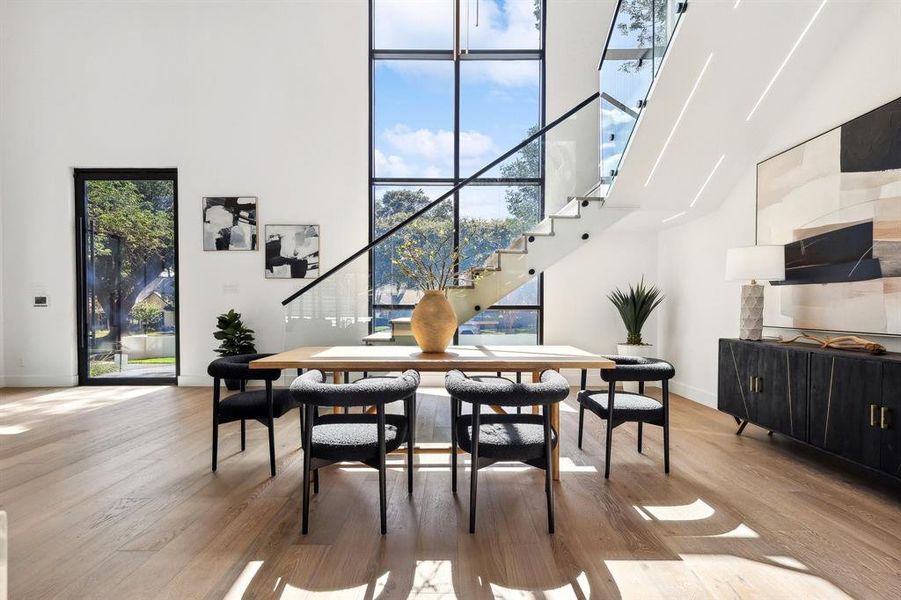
[555,423]
[338,377]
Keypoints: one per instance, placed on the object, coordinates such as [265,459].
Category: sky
[414,100]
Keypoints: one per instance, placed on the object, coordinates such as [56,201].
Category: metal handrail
[444,196]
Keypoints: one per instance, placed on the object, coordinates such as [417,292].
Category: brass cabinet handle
[883,417]
[751,383]
[873,408]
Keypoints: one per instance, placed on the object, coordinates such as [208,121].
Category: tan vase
[433,322]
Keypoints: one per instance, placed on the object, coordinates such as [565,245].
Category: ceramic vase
[433,322]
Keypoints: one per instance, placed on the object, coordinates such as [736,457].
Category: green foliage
[131,223]
[236,338]
[147,314]
[523,202]
[97,368]
[635,307]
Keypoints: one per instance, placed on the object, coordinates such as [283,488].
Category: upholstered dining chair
[363,437]
[618,407]
[526,438]
[259,405]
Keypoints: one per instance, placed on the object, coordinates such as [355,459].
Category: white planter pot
[644,350]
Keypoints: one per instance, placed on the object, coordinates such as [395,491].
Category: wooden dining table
[519,359]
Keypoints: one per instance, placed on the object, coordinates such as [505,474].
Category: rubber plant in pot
[635,306]
[236,339]
[428,261]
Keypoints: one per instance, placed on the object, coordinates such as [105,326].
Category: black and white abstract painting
[292,251]
[834,202]
[230,223]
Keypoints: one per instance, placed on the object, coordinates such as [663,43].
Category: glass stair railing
[638,40]
[358,300]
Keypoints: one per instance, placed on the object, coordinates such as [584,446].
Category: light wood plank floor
[109,495]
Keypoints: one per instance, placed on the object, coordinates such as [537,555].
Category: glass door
[127,259]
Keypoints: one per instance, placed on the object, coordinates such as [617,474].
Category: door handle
[751,383]
[883,417]
[873,408]
[757,381]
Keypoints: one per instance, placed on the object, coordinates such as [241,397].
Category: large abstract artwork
[834,202]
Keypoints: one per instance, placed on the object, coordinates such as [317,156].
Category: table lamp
[753,263]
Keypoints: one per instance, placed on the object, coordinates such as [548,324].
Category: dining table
[389,358]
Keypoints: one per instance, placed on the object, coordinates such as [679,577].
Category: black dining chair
[489,438]
[618,407]
[264,405]
[338,437]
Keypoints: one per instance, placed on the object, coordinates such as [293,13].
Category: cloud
[437,145]
[391,165]
[615,116]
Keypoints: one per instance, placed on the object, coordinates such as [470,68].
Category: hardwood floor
[109,494]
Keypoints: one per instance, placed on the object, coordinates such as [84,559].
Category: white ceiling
[748,44]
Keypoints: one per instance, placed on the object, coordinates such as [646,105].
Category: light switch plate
[42,301]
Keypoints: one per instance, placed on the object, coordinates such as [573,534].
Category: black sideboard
[847,403]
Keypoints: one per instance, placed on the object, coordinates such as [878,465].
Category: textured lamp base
[751,324]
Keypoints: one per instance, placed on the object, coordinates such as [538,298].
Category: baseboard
[29,381]
[693,393]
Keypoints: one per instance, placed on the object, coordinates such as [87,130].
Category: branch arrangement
[842,342]
[431,264]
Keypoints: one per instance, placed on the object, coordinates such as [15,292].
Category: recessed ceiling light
[675,216]
[706,181]
[679,118]
[787,58]
[737,2]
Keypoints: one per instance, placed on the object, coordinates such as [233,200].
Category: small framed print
[229,223]
[292,251]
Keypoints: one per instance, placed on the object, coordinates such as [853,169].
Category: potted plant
[236,339]
[429,262]
[635,306]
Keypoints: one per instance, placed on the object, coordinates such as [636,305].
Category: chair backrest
[637,368]
[311,388]
[238,367]
[552,388]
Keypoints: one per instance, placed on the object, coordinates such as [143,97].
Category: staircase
[507,269]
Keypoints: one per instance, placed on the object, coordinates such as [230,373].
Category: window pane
[501,327]
[499,108]
[491,218]
[507,24]
[413,118]
[393,203]
[130,275]
[429,238]
[413,24]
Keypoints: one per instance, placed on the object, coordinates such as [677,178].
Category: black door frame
[82,176]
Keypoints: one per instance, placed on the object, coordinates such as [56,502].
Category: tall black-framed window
[453,84]
[127,276]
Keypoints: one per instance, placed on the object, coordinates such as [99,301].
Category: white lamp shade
[766,263]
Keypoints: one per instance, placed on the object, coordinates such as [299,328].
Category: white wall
[244,98]
[863,73]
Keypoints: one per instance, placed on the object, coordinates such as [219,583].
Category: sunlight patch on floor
[433,577]
[718,576]
[437,463]
[236,591]
[696,511]
[578,589]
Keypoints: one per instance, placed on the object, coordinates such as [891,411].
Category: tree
[523,202]
[146,314]
[131,223]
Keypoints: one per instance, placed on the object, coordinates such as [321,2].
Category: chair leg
[215,421]
[243,435]
[548,468]
[411,437]
[666,426]
[307,462]
[300,412]
[315,481]
[474,477]
[453,405]
[581,423]
[610,393]
[271,425]
[383,515]
[639,436]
